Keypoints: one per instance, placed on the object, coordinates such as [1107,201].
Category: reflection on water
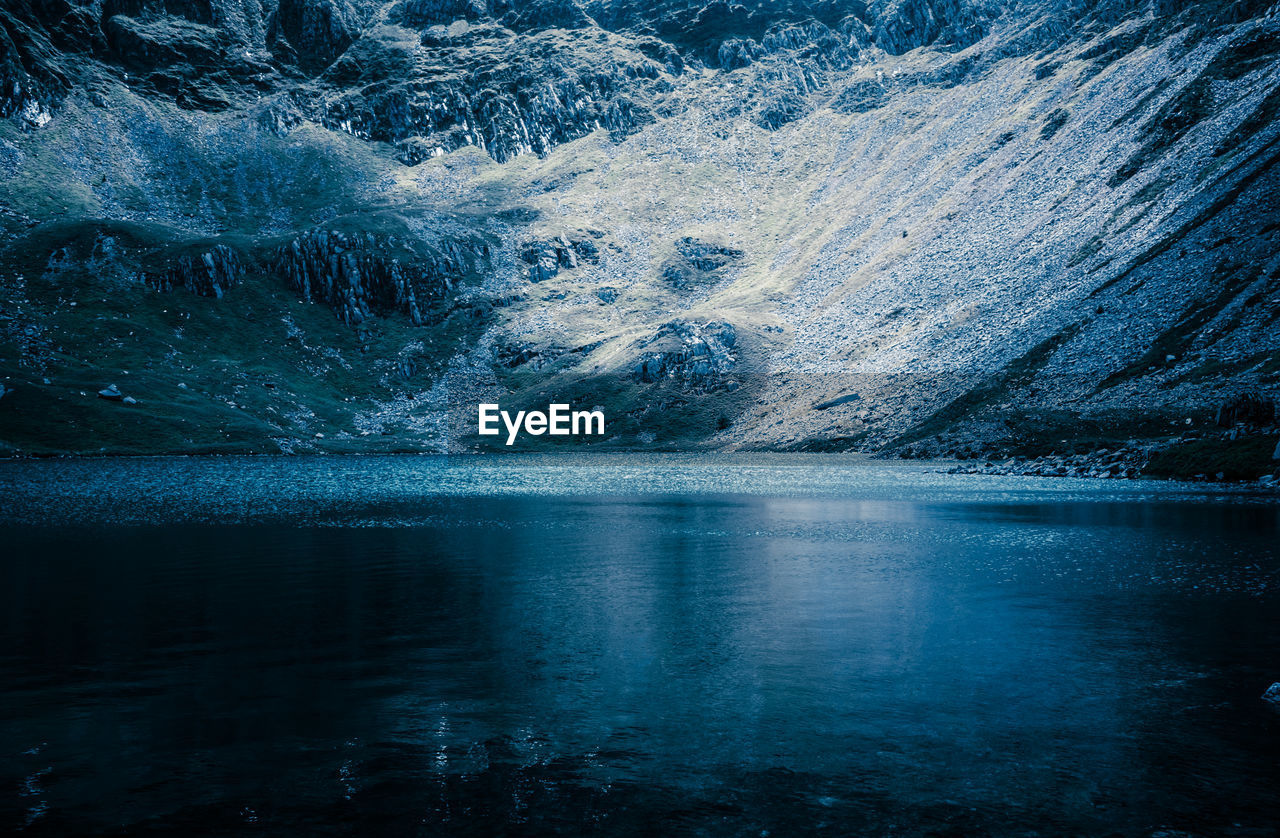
[350,647]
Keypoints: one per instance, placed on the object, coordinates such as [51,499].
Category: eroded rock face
[548,258]
[418,14]
[362,274]
[510,76]
[902,25]
[32,82]
[314,32]
[698,263]
[698,356]
[486,87]
[208,274]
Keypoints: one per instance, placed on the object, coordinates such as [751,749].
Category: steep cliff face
[924,227]
[486,86]
[362,275]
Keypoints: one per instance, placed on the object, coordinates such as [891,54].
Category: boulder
[548,258]
[111,393]
[837,401]
[1272,694]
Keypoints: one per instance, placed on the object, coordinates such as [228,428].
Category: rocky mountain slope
[920,227]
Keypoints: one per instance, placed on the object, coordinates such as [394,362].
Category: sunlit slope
[1019,231]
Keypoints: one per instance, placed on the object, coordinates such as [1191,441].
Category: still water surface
[708,645]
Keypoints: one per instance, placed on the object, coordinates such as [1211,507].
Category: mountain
[961,228]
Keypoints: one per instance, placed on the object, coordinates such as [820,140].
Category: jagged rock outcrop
[208,274]
[902,25]
[1246,408]
[150,44]
[487,87]
[204,54]
[361,274]
[547,14]
[697,263]
[548,258]
[698,356]
[312,33]
[32,82]
[810,42]
[419,14]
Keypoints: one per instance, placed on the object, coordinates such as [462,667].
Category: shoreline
[1099,465]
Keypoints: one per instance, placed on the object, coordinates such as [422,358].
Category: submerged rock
[1272,694]
[111,393]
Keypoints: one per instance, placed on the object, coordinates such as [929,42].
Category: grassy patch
[1240,459]
[257,366]
[1037,434]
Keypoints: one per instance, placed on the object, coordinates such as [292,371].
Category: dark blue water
[763,645]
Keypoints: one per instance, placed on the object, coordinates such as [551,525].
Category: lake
[755,644]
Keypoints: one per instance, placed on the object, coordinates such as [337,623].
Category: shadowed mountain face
[924,227]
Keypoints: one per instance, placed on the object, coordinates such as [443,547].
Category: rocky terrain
[1042,236]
